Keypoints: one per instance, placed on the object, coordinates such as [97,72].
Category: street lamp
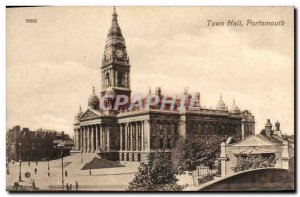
[7,167]
[61,146]
[20,170]
[90,167]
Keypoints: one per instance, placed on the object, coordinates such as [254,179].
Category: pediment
[89,114]
[254,140]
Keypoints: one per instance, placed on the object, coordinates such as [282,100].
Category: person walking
[29,163]
[66,173]
[70,186]
[33,184]
[76,185]
[35,170]
[67,186]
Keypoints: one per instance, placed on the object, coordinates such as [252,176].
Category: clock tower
[115,67]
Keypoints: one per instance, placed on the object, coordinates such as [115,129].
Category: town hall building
[131,135]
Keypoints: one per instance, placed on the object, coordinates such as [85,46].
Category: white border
[5,3]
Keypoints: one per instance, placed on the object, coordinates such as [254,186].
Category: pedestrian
[66,173]
[76,185]
[48,173]
[36,162]
[33,183]
[29,163]
[67,186]
[35,170]
[70,187]
[13,162]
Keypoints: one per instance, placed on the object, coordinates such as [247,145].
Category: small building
[26,145]
[269,148]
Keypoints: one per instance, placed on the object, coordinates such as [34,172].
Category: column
[78,140]
[121,136]
[126,136]
[147,135]
[136,136]
[92,139]
[243,128]
[97,137]
[108,144]
[84,138]
[75,139]
[101,136]
[223,159]
[88,139]
[142,137]
[81,139]
[285,157]
[131,141]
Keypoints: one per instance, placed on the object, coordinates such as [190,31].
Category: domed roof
[221,105]
[94,100]
[110,91]
[234,108]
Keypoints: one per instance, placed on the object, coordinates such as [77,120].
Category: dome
[110,91]
[221,105]
[234,108]
[94,100]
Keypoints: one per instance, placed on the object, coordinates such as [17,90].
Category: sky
[53,64]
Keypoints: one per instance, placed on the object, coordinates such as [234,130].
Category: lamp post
[7,167]
[90,167]
[61,146]
[20,168]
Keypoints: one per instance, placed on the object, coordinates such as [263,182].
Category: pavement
[105,179]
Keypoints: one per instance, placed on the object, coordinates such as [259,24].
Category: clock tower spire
[115,67]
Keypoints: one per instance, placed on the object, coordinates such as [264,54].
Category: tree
[159,174]
[192,152]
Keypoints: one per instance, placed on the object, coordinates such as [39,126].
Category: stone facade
[26,145]
[130,135]
[268,142]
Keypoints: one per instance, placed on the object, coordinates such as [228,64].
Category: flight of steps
[76,160]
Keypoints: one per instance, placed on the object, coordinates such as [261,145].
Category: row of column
[132,136]
[92,137]
[214,128]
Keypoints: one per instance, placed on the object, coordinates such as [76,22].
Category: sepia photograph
[150,98]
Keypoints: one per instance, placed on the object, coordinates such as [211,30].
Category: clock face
[119,53]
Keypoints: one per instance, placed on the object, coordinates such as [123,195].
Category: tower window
[121,79]
[107,79]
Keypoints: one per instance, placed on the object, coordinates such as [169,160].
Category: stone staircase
[76,160]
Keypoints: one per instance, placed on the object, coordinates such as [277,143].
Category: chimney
[277,126]
[268,126]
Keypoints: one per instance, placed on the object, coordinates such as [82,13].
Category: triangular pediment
[254,140]
[89,114]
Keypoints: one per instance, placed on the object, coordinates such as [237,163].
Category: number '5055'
[31,20]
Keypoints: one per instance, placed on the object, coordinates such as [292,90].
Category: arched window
[120,79]
[107,79]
